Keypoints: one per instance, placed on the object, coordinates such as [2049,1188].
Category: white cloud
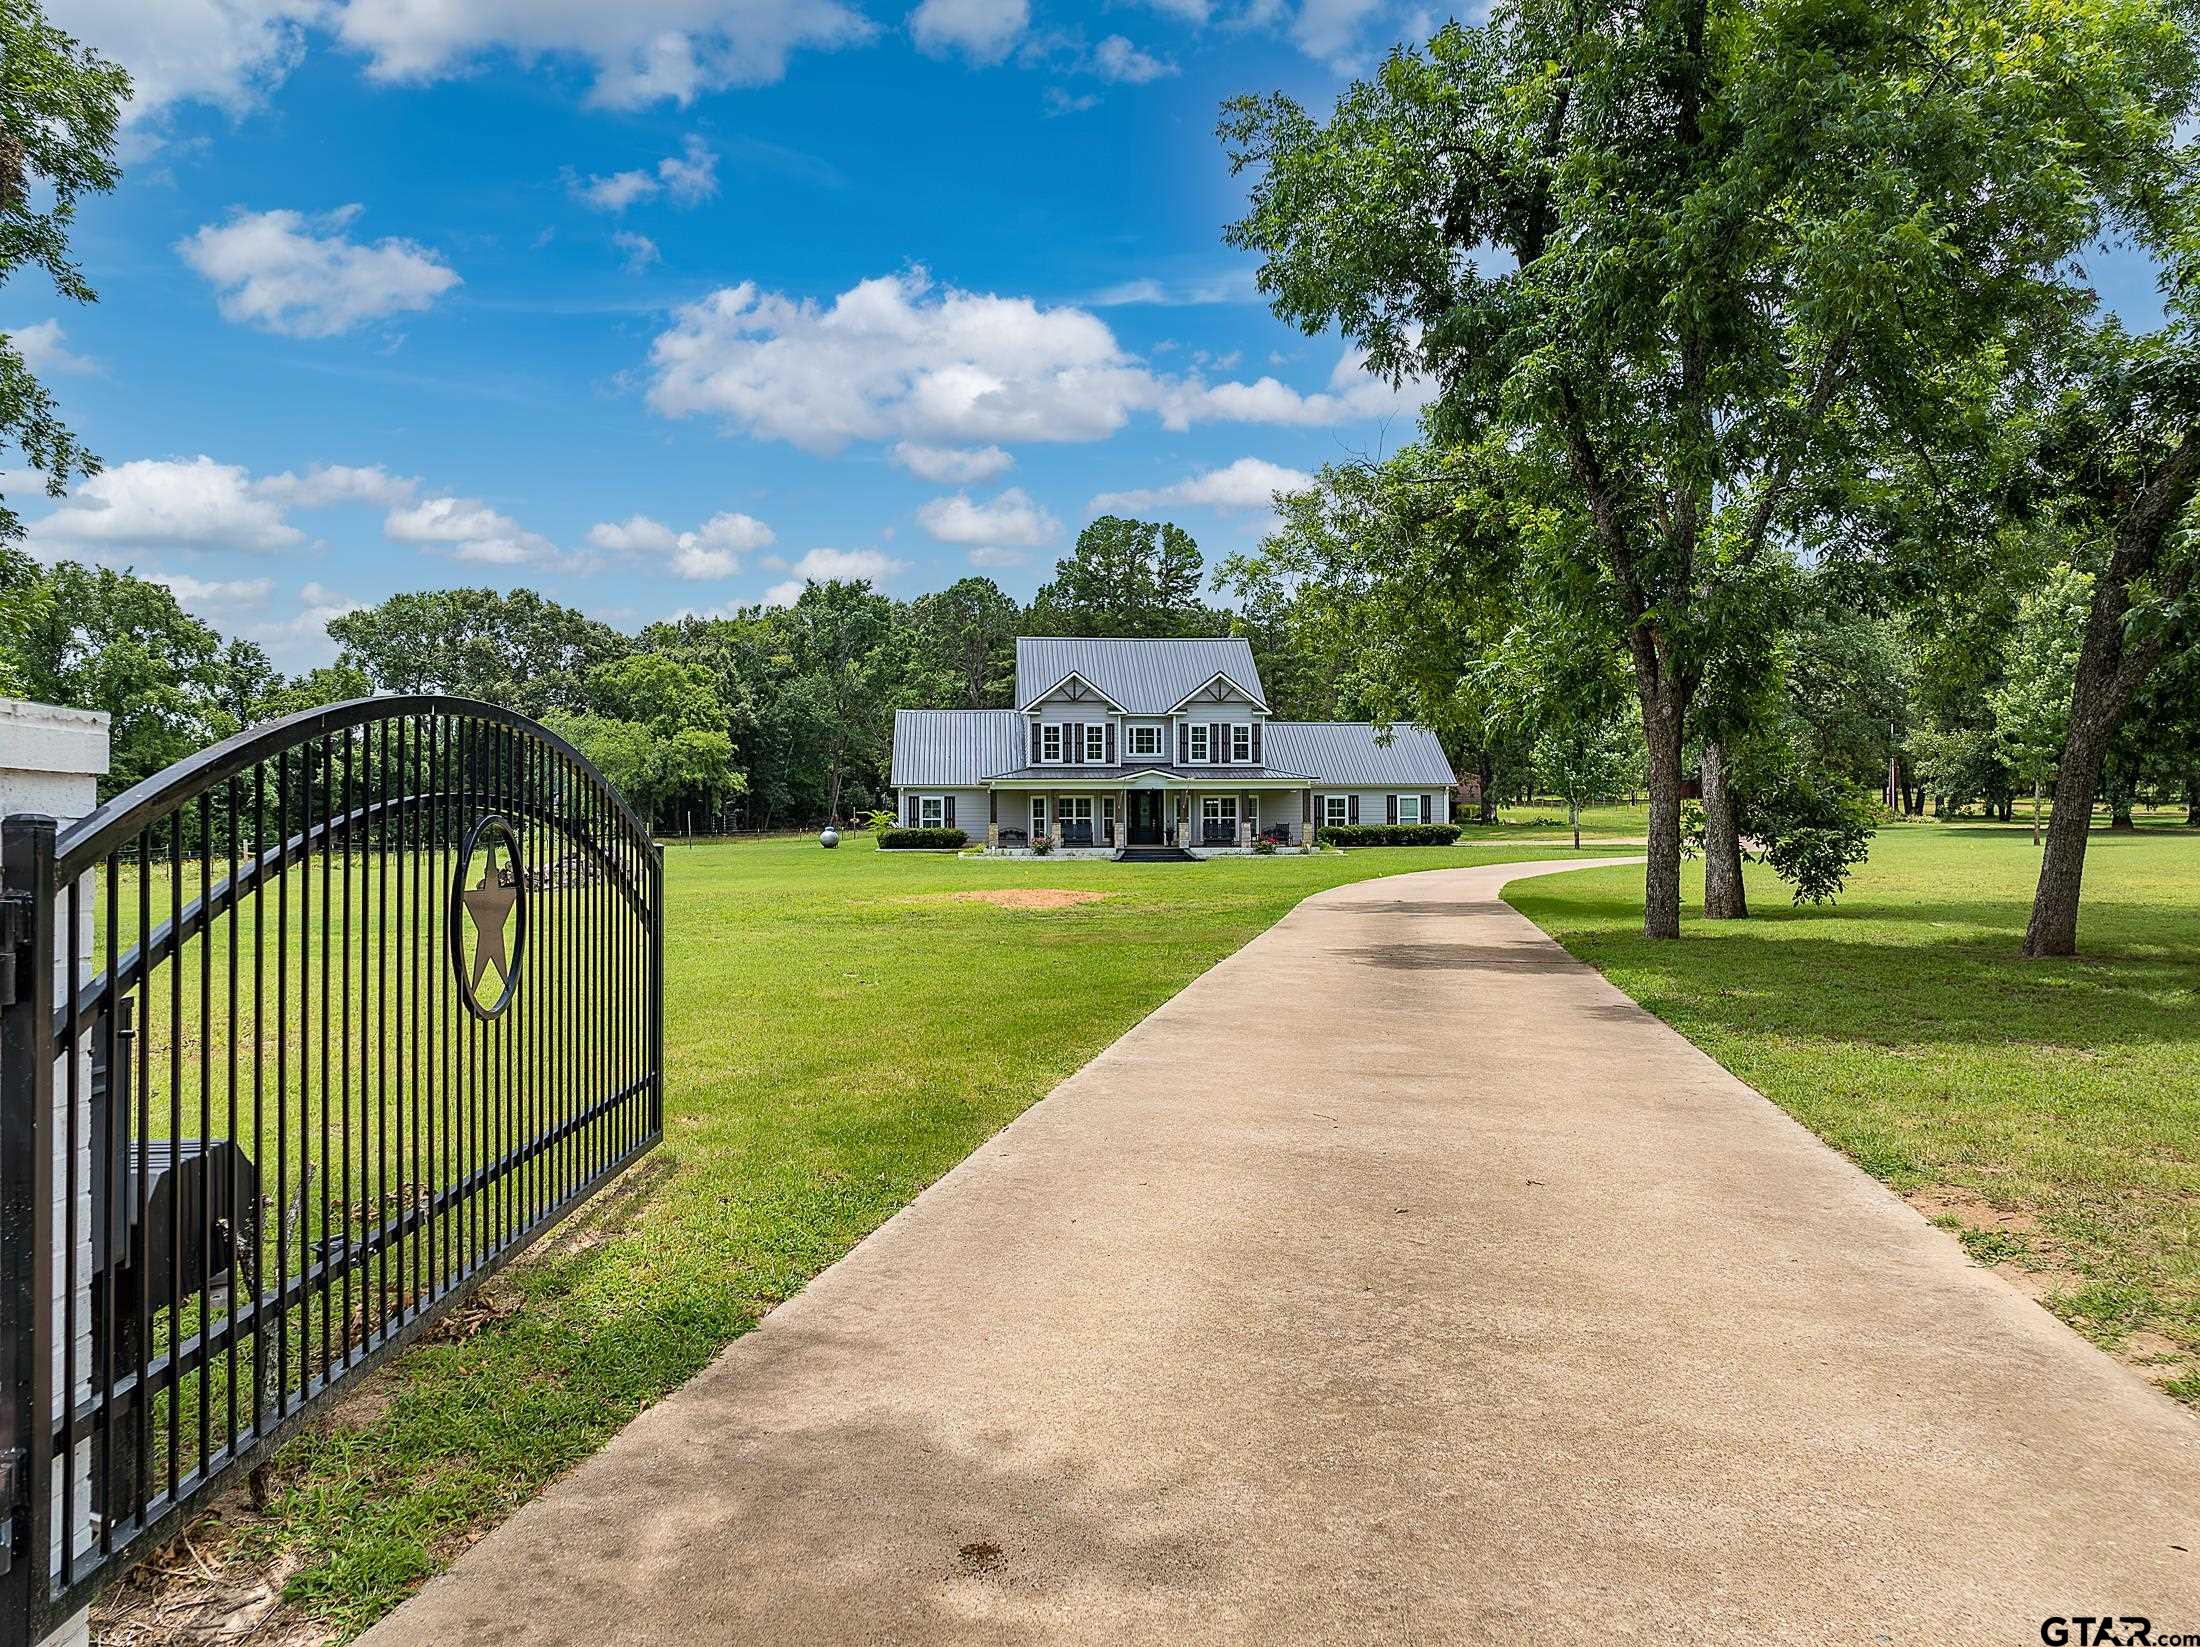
[42,350]
[950,465]
[1248,484]
[993,556]
[981,30]
[870,565]
[893,359]
[1010,520]
[1115,58]
[640,251]
[194,592]
[713,550]
[327,483]
[1233,286]
[300,276]
[1184,11]
[614,193]
[642,51]
[686,179]
[1333,31]
[1060,101]
[782,594]
[467,529]
[229,53]
[166,504]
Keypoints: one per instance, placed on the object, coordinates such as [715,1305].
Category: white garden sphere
[831,837]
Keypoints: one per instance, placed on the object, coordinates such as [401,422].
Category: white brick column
[51,760]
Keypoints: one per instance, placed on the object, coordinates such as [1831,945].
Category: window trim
[1038,816]
[1198,746]
[1150,737]
[1416,818]
[1241,734]
[1051,731]
[1341,805]
[1096,742]
[931,811]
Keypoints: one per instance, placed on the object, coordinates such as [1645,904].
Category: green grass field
[2048,1111]
[841,1028]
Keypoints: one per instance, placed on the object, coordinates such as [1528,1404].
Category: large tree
[59,102]
[2124,460]
[1139,578]
[1676,267]
[967,632]
[520,649]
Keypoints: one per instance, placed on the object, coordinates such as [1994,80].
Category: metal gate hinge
[17,920]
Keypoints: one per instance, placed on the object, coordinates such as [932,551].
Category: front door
[1145,824]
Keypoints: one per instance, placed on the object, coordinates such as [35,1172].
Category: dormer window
[1201,754]
[1241,741]
[1050,744]
[1096,742]
[1145,740]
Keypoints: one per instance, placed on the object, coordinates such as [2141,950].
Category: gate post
[26,1213]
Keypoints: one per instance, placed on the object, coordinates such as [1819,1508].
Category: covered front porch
[1106,816]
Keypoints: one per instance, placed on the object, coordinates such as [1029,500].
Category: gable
[1143,677]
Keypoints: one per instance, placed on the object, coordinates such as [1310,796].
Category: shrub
[1041,845]
[878,821]
[1424,834]
[922,838]
[1265,847]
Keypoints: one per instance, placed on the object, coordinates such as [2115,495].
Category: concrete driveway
[1397,1281]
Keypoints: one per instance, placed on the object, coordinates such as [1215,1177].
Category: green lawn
[841,1029]
[2049,1111]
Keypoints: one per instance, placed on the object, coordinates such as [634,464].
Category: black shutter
[1352,810]
[1075,733]
[1428,808]
[909,807]
[1034,743]
[1217,750]
[947,814]
[1183,743]
[1390,809]
[1111,743]
[1256,743]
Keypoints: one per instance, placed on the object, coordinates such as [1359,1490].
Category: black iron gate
[375,998]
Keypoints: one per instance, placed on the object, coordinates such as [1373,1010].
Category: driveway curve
[1399,1280]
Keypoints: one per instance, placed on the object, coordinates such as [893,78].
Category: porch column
[1245,820]
[992,820]
[1306,827]
[1054,819]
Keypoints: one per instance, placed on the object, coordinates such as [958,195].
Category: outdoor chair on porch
[1077,834]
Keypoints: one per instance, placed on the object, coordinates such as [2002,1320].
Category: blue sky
[659,306]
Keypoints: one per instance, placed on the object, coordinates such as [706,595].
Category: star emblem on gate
[489,907]
[496,908]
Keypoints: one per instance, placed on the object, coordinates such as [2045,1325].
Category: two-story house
[1130,745]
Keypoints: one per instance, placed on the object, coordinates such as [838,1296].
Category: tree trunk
[1573,815]
[2192,800]
[2036,786]
[832,792]
[1664,707]
[2109,673]
[1723,897]
[1488,770]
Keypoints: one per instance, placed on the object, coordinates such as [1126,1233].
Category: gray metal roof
[1147,677]
[1350,752]
[955,748]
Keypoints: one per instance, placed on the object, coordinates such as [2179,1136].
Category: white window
[1075,816]
[1241,741]
[1200,755]
[1038,816]
[932,811]
[1145,740]
[1096,741]
[1050,743]
[1107,820]
[1336,810]
[1409,809]
[1218,820]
